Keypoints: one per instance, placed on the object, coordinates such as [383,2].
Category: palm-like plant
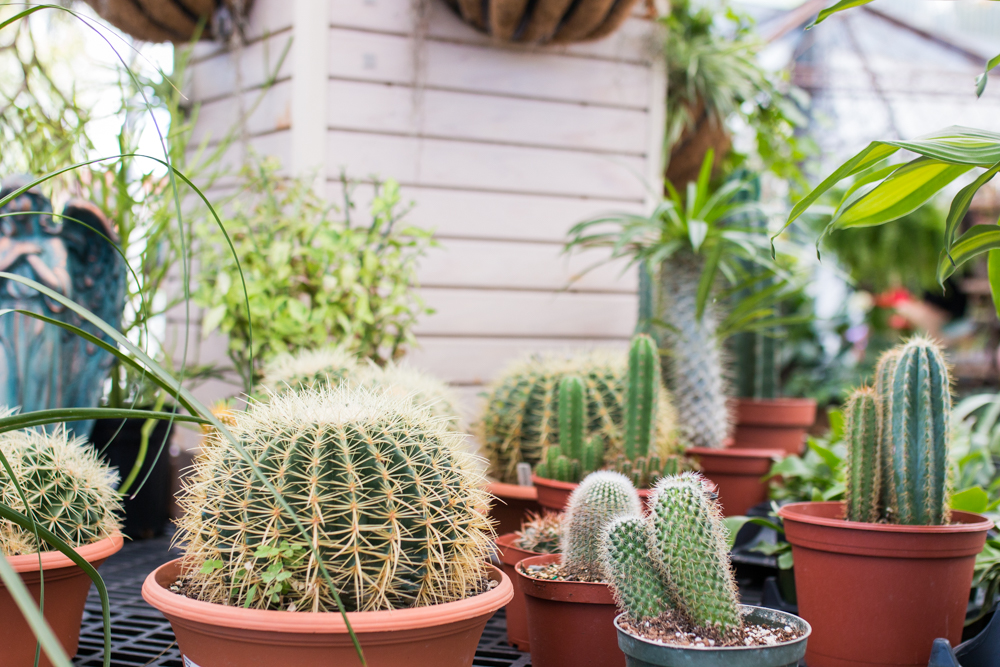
[689,245]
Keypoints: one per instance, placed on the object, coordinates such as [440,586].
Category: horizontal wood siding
[501,148]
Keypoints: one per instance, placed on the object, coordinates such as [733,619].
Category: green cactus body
[689,541]
[593,454]
[639,587]
[643,378]
[391,502]
[599,498]
[540,533]
[884,371]
[404,381]
[521,417]
[864,465]
[309,369]
[919,409]
[68,489]
[693,354]
[571,416]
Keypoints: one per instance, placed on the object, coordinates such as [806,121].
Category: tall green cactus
[884,371]
[600,497]
[640,406]
[639,586]
[919,409]
[864,465]
[689,540]
[571,417]
[573,457]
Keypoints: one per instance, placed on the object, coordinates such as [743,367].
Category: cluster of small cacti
[575,456]
[520,421]
[601,497]
[68,489]
[644,472]
[541,533]
[392,505]
[676,558]
[897,439]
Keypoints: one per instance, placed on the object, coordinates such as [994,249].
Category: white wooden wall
[501,148]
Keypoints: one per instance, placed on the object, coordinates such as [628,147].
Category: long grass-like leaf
[981,79]
[976,241]
[960,204]
[707,279]
[993,270]
[839,7]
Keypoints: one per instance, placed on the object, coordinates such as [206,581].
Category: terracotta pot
[544,21]
[213,635]
[517,620]
[879,594]
[554,495]
[512,504]
[737,475]
[166,20]
[570,624]
[66,588]
[777,423]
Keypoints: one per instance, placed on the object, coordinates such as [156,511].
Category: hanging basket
[544,21]
[173,20]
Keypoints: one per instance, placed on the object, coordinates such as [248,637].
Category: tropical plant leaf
[973,499]
[976,241]
[839,7]
[960,204]
[981,79]
[993,271]
[707,280]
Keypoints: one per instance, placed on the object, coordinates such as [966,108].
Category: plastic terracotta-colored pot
[570,624]
[517,619]
[641,652]
[737,474]
[554,495]
[512,505]
[214,635]
[66,588]
[775,423]
[879,594]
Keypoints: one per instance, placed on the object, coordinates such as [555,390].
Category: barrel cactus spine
[600,497]
[392,503]
[919,399]
[309,369]
[864,462]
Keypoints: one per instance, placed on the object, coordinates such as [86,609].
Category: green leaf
[977,240]
[786,560]
[213,317]
[839,7]
[829,457]
[960,204]
[993,271]
[905,190]
[973,499]
[707,280]
[211,565]
[733,526]
[836,418]
[981,79]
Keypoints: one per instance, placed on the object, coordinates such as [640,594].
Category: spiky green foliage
[689,542]
[393,504]
[884,371]
[640,587]
[541,533]
[864,465]
[308,369]
[919,399]
[640,407]
[693,361]
[520,420]
[573,458]
[68,489]
[599,498]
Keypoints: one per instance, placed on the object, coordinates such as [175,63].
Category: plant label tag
[188,662]
[524,474]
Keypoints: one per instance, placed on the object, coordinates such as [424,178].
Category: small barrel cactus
[676,558]
[68,489]
[599,498]
[308,369]
[864,463]
[574,457]
[540,533]
[520,421]
[391,502]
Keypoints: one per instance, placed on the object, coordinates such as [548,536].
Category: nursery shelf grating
[141,637]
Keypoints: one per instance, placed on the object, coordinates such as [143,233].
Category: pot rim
[553,483]
[739,453]
[515,491]
[789,401]
[328,622]
[969,522]
[725,649]
[54,560]
[505,542]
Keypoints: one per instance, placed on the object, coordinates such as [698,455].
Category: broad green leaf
[697,231]
[213,317]
[993,271]
[829,457]
[957,145]
[839,7]
[979,239]
[981,79]
[733,525]
[836,418]
[786,560]
[973,499]
[707,280]
[960,204]
[902,192]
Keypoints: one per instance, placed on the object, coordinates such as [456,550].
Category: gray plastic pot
[643,653]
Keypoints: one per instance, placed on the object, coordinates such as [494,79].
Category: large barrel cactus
[521,417]
[390,500]
[68,489]
[676,558]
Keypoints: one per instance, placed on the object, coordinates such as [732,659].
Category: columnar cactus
[391,503]
[675,558]
[308,369]
[572,458]
[68,489]
[599,498]
[640,407]
[884,371]
[520,421]
[919,401]
[864,464]
[644,472]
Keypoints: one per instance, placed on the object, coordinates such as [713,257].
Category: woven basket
[171,20]
[544,21]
